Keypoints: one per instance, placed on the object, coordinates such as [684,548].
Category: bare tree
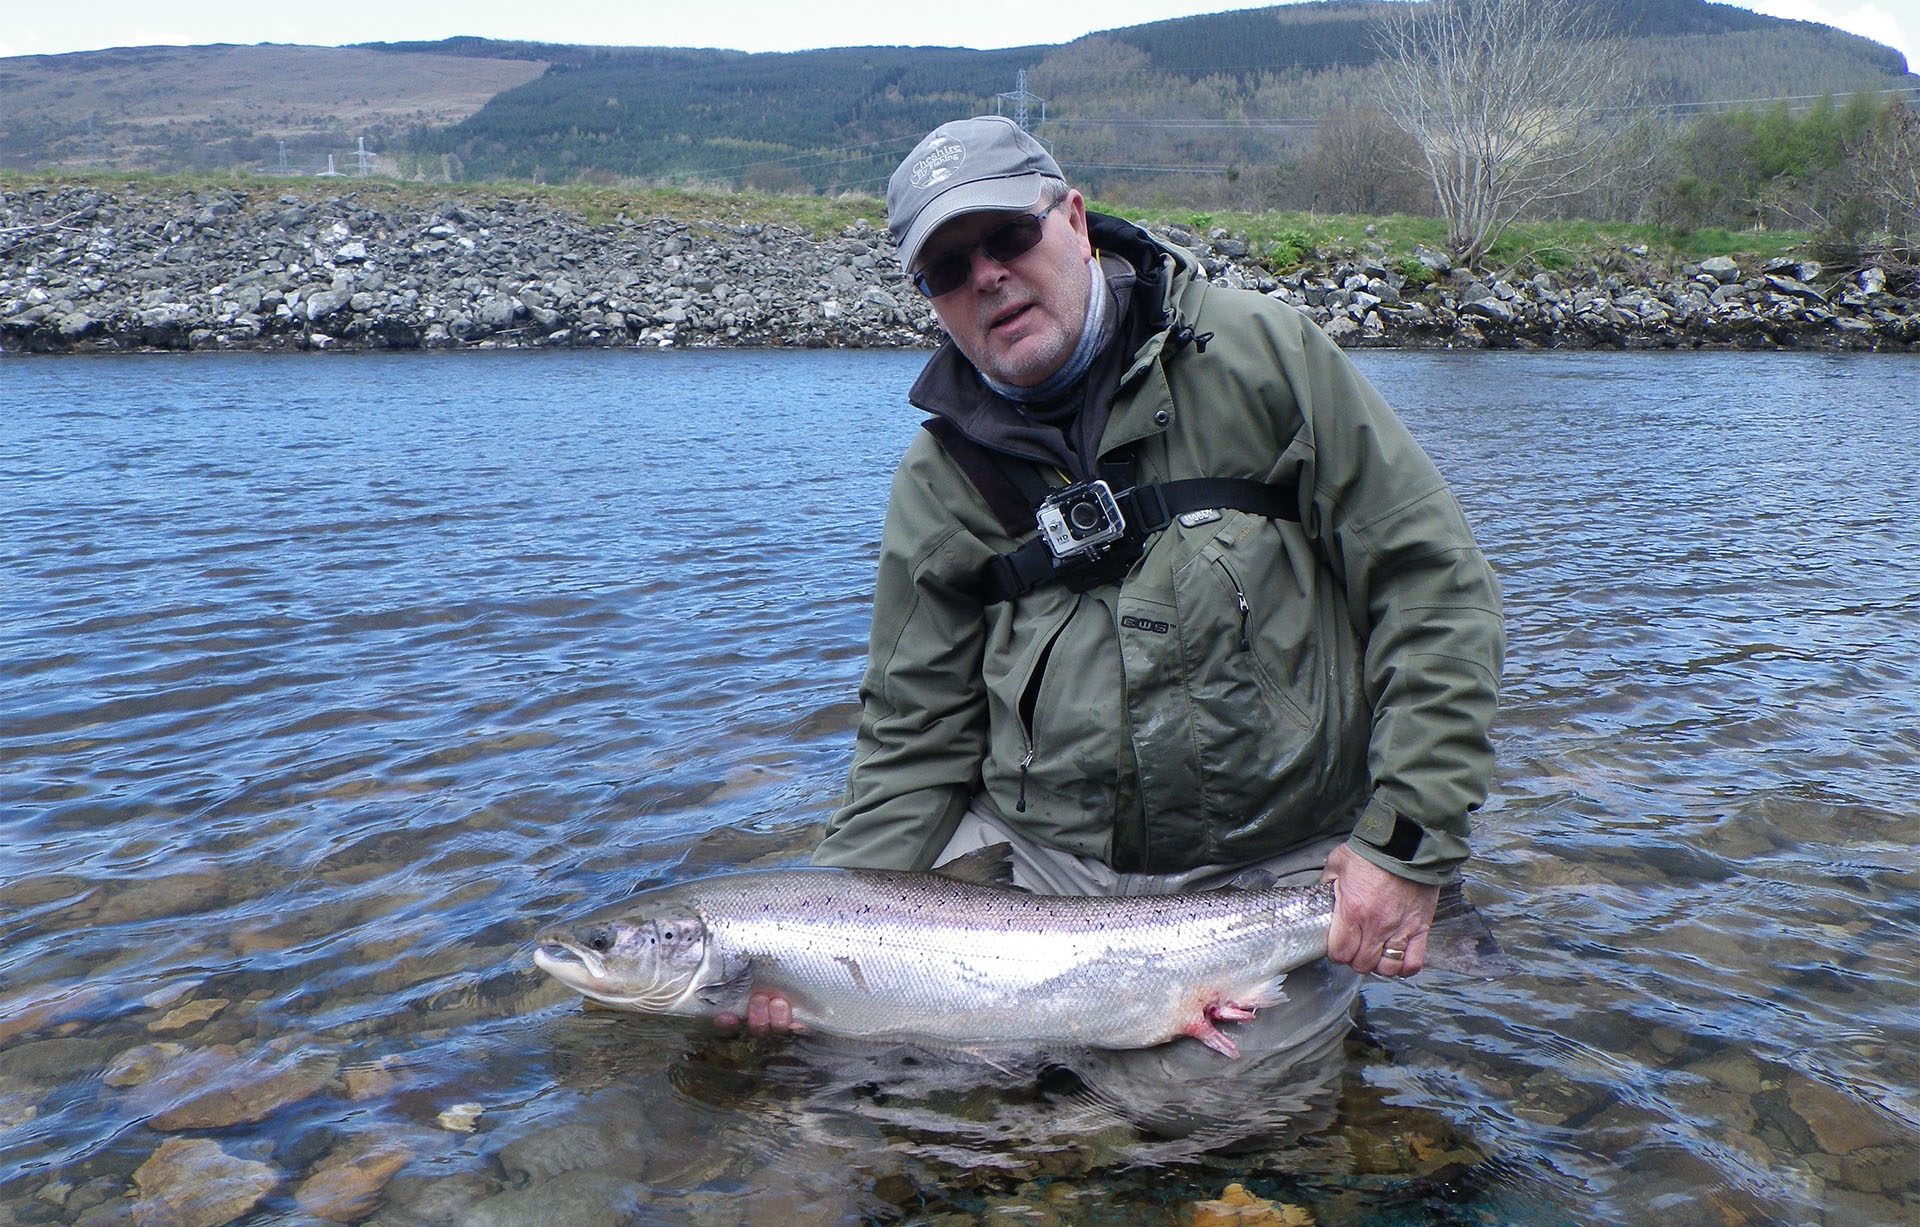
[1889,164]
[1512,102]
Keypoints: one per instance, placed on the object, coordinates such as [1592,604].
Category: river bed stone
[192,1182]
[349,1183]
[217,1087]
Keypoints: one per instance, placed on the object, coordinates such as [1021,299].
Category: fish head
[651,960]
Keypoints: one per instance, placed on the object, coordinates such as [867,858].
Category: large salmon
[931,956]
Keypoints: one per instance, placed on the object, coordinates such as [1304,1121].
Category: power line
[1790,98]
[826,155]
[1166,170]
[1242,125]
[891,150]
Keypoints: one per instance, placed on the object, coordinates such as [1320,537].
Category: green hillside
[1261,108]
[831,119]
[1227,91]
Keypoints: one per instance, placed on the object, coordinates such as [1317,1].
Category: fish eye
[600,941]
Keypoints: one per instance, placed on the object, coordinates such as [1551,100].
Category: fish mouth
[585,972]
[569,963]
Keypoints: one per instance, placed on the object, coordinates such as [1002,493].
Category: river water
[329,679]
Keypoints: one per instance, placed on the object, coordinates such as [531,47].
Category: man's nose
[983,269]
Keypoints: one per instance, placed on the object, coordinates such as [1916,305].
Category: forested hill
[1138,106]
[820,119]
[1190,94]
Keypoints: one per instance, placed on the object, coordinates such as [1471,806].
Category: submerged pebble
[193,1182]
[348,1184]
[1235,1207]
[462,1117]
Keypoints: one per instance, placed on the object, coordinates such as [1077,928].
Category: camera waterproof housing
[1080,521]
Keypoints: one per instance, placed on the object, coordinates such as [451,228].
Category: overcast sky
[33,28]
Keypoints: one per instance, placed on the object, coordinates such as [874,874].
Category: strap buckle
[1151,512]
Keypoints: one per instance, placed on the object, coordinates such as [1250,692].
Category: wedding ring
[1392,953]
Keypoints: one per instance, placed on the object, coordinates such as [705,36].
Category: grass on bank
[1280,241]
[1284,240]
[818,216]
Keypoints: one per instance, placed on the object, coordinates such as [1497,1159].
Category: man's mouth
[1008,316]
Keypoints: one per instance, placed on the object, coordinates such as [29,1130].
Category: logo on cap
[942,160]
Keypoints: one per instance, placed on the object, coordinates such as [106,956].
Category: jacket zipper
[1029,701]
[1239,601]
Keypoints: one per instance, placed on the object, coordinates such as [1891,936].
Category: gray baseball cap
[979,165]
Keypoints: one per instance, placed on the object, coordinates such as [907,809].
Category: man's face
[1017,322]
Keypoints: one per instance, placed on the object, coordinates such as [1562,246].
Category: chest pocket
[1253,668]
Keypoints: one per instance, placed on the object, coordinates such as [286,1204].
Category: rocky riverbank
[85,269]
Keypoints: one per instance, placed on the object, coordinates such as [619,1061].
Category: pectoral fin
[1214,1038]
[988,866]
[730,996]
[1219,1010]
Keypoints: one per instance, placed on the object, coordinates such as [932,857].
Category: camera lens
[1085,516]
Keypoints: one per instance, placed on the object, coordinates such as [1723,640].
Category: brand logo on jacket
[1144,624]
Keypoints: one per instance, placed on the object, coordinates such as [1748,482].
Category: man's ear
[1077,214]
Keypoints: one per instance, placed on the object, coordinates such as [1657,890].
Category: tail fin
[1461,940]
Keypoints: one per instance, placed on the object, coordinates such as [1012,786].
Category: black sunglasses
[1002,243]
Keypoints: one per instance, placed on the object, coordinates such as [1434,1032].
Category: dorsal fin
[1249,879]
[988,866]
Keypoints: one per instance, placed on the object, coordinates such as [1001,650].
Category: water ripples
[329,680]
[1702,830]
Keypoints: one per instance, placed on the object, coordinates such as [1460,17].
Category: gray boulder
[1493,310]
[323,303]
[497,312]
[1723,269]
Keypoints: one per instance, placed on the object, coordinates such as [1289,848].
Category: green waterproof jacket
[1250,684]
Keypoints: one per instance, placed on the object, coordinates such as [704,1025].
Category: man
[1292,669]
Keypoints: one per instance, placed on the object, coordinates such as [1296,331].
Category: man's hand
[767,1014]
[1380,921]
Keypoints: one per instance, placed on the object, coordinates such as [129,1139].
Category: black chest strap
[1011,502]
[1012,489]
[1147,510]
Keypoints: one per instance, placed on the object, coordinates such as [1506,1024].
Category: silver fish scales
[928,956]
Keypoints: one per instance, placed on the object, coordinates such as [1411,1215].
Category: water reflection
[1128,1135]
[328,681]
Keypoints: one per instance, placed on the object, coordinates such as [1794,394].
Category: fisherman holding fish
[1167,595]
